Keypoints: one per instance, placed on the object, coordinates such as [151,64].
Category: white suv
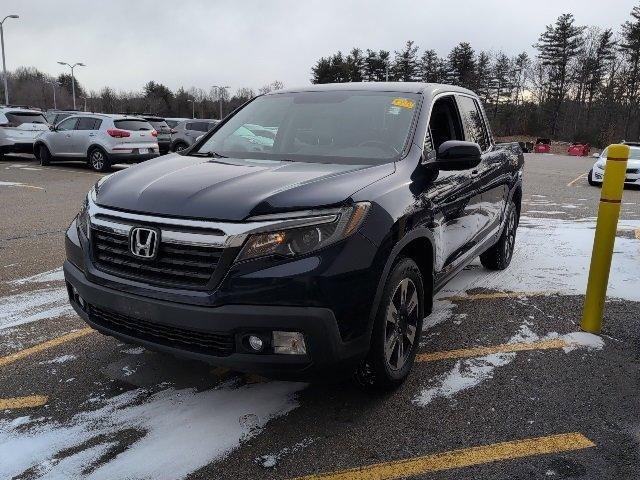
[19,128]
[101,139]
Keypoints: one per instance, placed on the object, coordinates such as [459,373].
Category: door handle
[92,134]
[475,173]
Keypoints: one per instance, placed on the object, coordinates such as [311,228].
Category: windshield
[634,153]
[327,127]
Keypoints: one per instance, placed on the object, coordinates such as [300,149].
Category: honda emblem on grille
[144,242]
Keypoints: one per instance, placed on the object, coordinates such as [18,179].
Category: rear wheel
[396,330]
[498,257]
[44,154]
[98,160]
[179,146]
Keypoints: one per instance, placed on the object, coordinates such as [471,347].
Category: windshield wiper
[207,154]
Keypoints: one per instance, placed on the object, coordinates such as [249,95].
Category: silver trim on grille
[220,234]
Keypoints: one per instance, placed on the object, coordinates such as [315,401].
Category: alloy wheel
[511,235]
[97,160]
[401,324]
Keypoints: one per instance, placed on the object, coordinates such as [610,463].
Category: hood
[631,163]
[233,189]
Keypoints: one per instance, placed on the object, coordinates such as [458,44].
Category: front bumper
[630,178]
[326,351]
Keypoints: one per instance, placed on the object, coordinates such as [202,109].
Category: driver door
[62,138]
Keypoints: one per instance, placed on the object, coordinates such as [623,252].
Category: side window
[474,127]
[444,125]
[190,126]
[97,123]
[68,124]
[86,123]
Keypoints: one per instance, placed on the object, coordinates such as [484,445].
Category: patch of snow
[181,431]
[134,351]
[128,370]
[45,303]
[272,459]
[553,255]
[442,311]
[55,275]
[61,359]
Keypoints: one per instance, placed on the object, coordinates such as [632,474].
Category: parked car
[579,149]
[596,174]
[102,140]
[56,116]
[185,133]
[19,128]
[172,122]
[542,145]
[164,132]
[320,252]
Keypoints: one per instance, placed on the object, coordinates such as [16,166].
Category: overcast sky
[253,42]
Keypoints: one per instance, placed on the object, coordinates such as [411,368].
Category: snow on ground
[470,373]
[60,359]
[181,431]
[553,256]
[44,301]
[270,460]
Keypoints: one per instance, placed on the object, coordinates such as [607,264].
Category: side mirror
[596,155]
[458,155]
[52,128]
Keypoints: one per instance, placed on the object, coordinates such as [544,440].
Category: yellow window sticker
[403,102]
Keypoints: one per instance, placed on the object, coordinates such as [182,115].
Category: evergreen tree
[461,66]
[355,65]
[432,68]
[405,64]
[630,48]
[482,78]
[321,71]
[558,45]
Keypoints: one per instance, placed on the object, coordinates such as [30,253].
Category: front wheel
[591,181]
[498,257]
[396,330]
[179,146]
[98,160]
[45,155]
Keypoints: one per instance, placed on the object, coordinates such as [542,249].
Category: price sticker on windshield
[403,103]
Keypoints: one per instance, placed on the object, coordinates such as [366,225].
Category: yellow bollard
[606,226]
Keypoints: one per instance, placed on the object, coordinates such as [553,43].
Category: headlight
[83,215]
[301,240]
[600,164]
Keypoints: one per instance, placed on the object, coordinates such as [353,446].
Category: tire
[394,340]
[98,160]
[44,155]
[498,257]
[591,181]
[179,146]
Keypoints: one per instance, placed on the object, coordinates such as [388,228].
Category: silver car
[186,133]
[19,128]
[103,140]
[164,132]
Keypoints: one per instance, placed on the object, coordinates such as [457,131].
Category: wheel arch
[419,245]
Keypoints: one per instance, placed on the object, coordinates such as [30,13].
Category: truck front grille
[210,343]
[175,265]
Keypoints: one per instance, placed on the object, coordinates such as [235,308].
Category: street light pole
[4,63]
[220,92]
[53,88]
[73,79]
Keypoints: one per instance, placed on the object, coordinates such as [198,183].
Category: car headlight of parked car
[600,164]
[302,240]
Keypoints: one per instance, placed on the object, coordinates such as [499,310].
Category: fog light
[256,343]
[290,343]
[81,301]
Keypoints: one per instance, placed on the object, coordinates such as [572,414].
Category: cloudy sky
[253,42]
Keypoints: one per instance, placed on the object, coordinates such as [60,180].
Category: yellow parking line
[14,357]
[465,457]
[480,296]
[482,351]
[22,402]
[577,179]
[637,233]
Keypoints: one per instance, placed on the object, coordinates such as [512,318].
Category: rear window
[133,125]
[172,123]
[200,126]
[160,125]
[18,118]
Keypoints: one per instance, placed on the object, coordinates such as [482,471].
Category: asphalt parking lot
[506,386]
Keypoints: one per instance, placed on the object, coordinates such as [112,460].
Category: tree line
[29,86]
[582,84]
